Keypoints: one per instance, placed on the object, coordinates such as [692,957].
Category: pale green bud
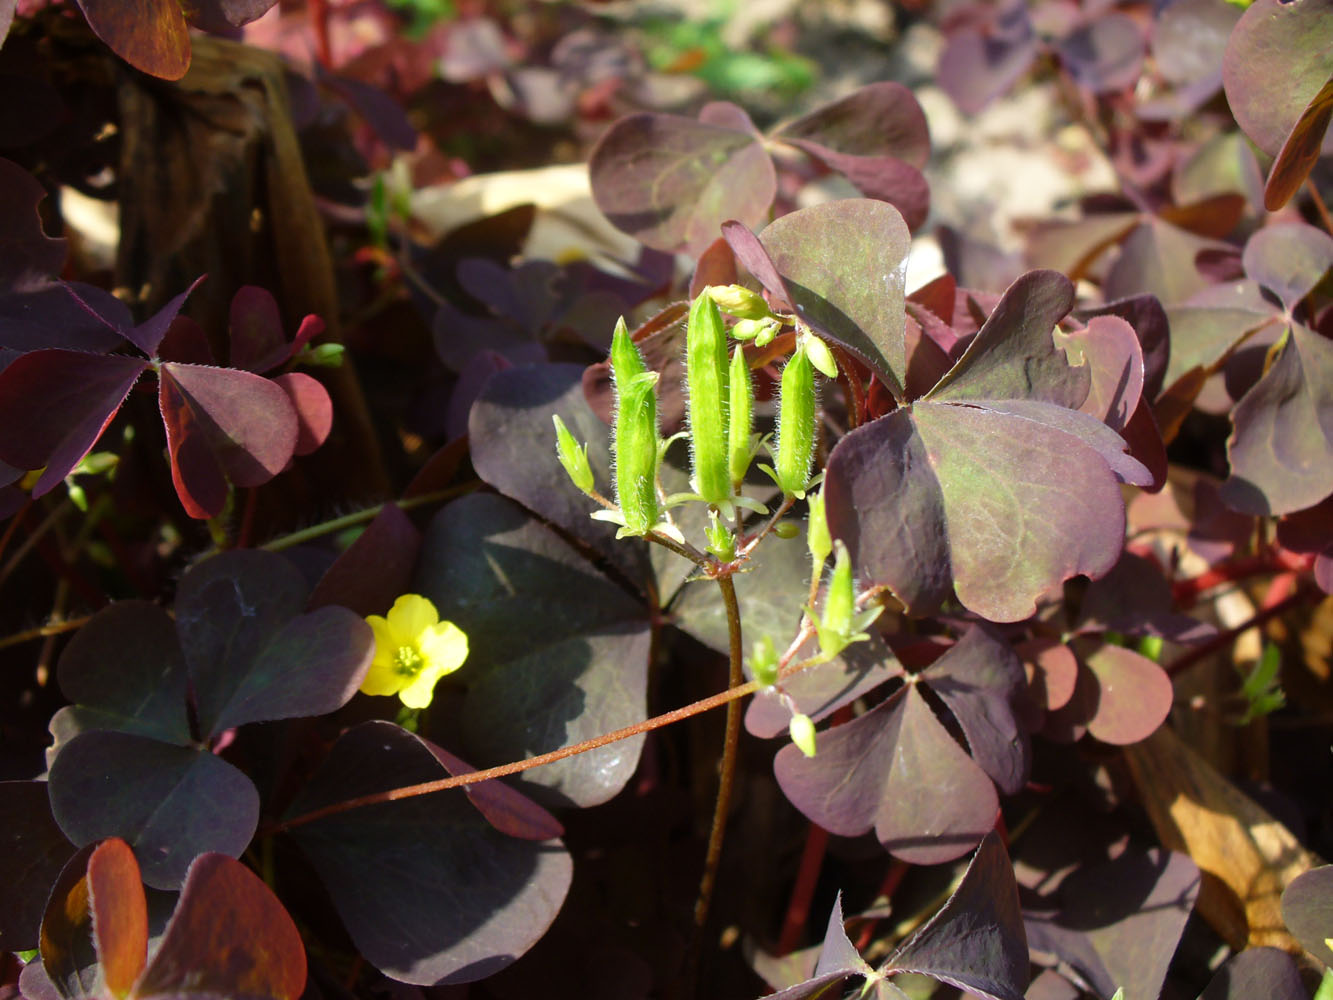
[721,541]
[764,662]
[573,457]
[739,301]
[817,535]
[820,356]
[786,529]
[320,356]
[840,601]
[706,381]
[802,731]
[626,361]
[761,331]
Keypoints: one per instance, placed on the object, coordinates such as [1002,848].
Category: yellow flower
[413,650]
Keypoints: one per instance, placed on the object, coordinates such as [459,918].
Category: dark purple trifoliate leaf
[375,569]
[1277,59]
[184,802]
[1111,352]
[1134,695]
[1309,530]
[885,178]
[503,891]
[1307,908]
[512,441]
[1104,55]
[1281,451]
[255,330]
[979,63]
[1132,911]
[1266,972]
[229,936]
[223,425]
[28,257]
[1052,672]
[147,336]
[1158,258]
[880,119]
[58,315]
[557,652]
[1071,246]
[312,406]
[124,670]
[1288,260]
[252,656]
[1000,503]
[1301,151]
[897,770]
[979,679]
[976,941]
[32,853]
[820,691]
[1148,320]
[845,263]
[54,405]
[1210,323]
[750,252]
[1014,355]
[385,116]
[1134,598]
[1189,38]
[212,15]
[508,810]
[670,181]
[838,959]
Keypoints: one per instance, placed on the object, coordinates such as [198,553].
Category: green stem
[360,517]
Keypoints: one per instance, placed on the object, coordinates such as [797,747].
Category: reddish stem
[318,12]
[887,888]
[1225,639]
[1187,593]
[807,876]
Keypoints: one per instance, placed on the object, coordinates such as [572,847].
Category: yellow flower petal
[411,615]
[444,646]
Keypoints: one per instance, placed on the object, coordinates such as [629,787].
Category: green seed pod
[740,424]
[840,601]
[739,301]
[817,535]
[626,361]
[796,424]
[572,456]
[786,529]
[706,380]
[636,452]
[802,731]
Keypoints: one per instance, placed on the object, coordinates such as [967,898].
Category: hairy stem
[360,517]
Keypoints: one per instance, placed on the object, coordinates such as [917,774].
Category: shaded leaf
[254,329]
[558,653]
[429,891]
[976,940]
[33,852]
[1288,260]
[252,656]
[1105,54]
[28,257]
[1267,972]
[505,808]
[54,405]
[1301,150]
[1114,359]
[845,263]
[124,670]
[895,769]
[978,64]
[1277,59]
[312,406]
[229,936]
[119,914]
[223,425]
[1307,910]
[1281,450]
[150,35]
[69,954]
[670,181]
[169,803]
[375,569]
[838,959]
[879,119]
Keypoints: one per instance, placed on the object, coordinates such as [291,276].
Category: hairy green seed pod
[840,601]
[739,301]
[817,534]
[636,452]
[740,422]
[802,731]
[764,662]
[706,380]
[796,424]
[572,455]
[626,361]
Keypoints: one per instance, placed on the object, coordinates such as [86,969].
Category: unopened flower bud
[802,731]
[572,455]
[739,301]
